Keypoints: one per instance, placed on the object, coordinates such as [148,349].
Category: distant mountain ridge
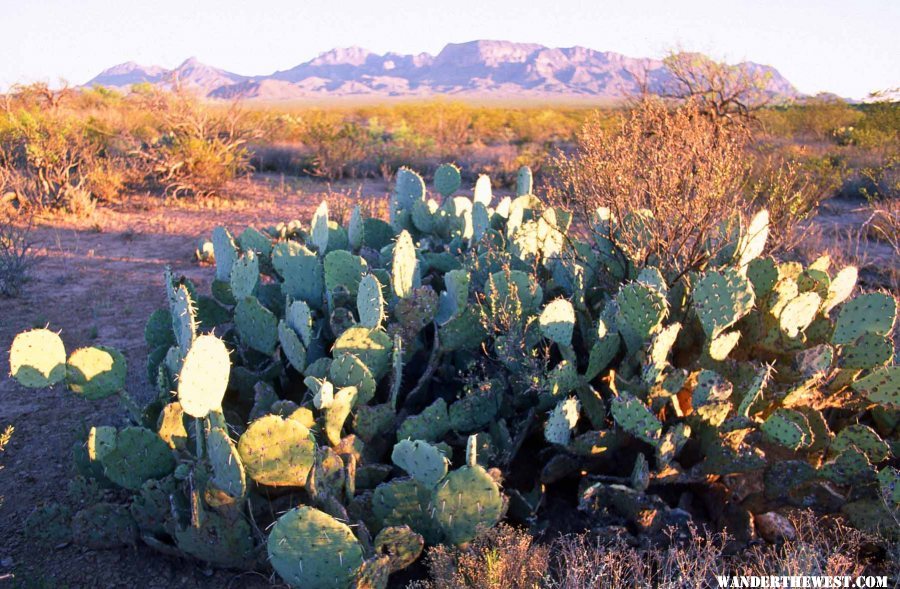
[477,69]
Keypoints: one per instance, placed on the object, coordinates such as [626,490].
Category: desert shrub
[17,252]
[337,146]
[686,170]
[194,150]
[501,558]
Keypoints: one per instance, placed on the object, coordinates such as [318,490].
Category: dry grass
[17,251]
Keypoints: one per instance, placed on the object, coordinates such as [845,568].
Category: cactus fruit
[424,462]
[557,322]
[37,358]
[204,376]
[447,179]
[277,452]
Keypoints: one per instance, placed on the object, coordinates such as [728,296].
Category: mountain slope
[477,69]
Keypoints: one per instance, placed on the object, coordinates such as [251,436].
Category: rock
[647,513]
[774,528]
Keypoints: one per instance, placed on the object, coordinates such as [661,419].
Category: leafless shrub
[17,254]
[502,558]
[686,169]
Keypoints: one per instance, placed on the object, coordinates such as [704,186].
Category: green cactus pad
[869,313]
[204,376]
[374,421]
[370,302]
[720,347]
[557,321]
[302,271]
[405,267]
[404,501]
[309,549]
[293,348]
[869,351]
[277,452]
[228,475]
[96,372]
[348,371]
[474,411]
[337,412]
[841,287]
[483,193]
[424,462]
[850,467]
[137,455]
[862,437]
[799,313]
[501,286]
[635,418]
[562,421]
[447,179]
[158,329]
[468,499]
[753,242]
[814,362]
[372,347]
[256,325]
[37,358]
[225,252]
[319,233]
[889,485]
[219,540]
[641,311]
[184,318]
[251,239]
[342,268]
[783,429]
[721,299]
[524,181]
[763,275]
[431,425]
[245,276]
[881,386]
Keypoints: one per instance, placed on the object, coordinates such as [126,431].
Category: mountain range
[477,69]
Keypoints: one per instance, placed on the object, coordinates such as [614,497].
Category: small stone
[774,528]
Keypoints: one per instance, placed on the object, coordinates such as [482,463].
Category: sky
[849,47]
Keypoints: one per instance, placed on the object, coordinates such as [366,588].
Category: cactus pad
[562,421]
[870,350]
[225,252]
[227,469]
[840,288]
[277,452]
[466,500]
[256,325]
[782,428]
[881,386]
[862,437]
[370,302]
[245,276]
[137,455]
[720,299]
[869,313]
[405,266]
[524,181]
[799,313]
[446,179]
[400,544]
[557,321]
[424,462]
[372,347]
[204,376]
[37,358]
[635,418]
[96,372]
[640,314]
[431,425]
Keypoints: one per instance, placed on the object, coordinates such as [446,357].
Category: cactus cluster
[376,384]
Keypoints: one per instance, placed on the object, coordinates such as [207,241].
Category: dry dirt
[99,280]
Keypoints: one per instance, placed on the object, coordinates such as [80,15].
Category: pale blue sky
[850,47]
